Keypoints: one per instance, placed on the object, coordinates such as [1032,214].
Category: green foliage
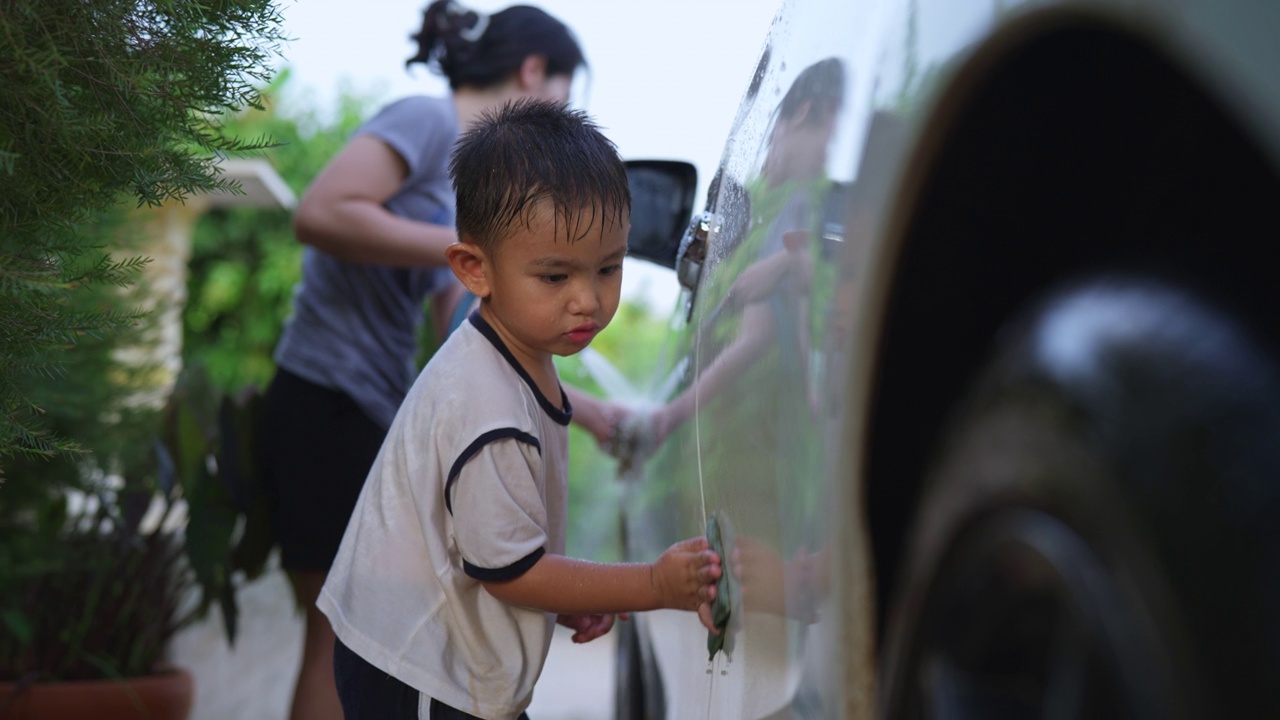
[87,394]
[87,588]
[105,102]
[207,439]
[108,603]
[633,343]
[95,582]
[108,105]
[245,262]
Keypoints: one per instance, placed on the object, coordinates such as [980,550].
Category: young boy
[451,574]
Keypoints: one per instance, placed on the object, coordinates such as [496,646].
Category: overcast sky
[665,78]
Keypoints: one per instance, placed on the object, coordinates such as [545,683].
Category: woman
[376,223]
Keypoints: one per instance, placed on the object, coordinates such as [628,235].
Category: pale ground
[254,682]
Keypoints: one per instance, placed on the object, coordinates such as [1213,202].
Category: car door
[741,424]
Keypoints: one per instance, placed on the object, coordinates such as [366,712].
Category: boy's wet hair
[529,151]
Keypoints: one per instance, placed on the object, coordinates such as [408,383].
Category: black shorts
[368,693]
[315,447]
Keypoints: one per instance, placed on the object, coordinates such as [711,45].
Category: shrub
[105,103]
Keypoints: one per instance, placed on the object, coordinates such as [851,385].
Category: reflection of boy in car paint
[757,390]
[785,201]
[451,575]
[797,585]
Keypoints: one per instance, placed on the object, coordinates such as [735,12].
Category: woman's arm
[756,333]
[341,212]
[597,416]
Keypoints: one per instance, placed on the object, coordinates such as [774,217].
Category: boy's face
[549,294]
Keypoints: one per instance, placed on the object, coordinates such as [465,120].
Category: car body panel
[763,402]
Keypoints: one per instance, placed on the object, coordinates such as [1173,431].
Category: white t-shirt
[470,484]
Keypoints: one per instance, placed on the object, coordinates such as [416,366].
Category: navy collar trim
[560,415]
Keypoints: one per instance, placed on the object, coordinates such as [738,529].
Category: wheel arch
[1073,142]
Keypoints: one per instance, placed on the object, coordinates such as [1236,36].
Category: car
[973,378]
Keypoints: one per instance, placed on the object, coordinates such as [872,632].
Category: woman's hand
[597,416]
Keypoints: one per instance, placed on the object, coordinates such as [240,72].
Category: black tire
[1099,539]
[637,687]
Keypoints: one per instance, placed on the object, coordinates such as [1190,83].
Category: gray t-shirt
[354,327]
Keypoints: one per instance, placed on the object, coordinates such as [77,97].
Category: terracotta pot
[166,696]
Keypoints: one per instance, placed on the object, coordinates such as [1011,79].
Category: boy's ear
[471,266]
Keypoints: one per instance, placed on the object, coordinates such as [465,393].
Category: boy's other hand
[587,627]
[685,577]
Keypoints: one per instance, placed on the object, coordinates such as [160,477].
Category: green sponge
[720,536]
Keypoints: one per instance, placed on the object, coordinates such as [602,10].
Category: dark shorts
[367,693]
[315,448]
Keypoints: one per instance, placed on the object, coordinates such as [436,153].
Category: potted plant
[108,554]
[88,623]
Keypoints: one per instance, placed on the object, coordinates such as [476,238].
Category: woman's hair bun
[477,49]
[448,35]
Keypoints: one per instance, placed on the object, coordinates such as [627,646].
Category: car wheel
[1098,538]
[637,689]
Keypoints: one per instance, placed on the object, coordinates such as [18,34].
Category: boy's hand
[685,577]
[587,627]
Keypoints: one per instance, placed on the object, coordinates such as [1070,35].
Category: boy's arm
[683,578]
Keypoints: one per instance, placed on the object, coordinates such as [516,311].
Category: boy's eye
[610,269]
[554,279]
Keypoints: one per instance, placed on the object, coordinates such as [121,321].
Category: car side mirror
[661,204]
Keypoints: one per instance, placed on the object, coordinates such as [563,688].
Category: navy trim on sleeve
[475,446]
[510,572]
[560,415]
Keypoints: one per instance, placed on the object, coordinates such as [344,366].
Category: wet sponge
[720,536]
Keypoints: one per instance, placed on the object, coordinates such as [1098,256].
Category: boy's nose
[585,300]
